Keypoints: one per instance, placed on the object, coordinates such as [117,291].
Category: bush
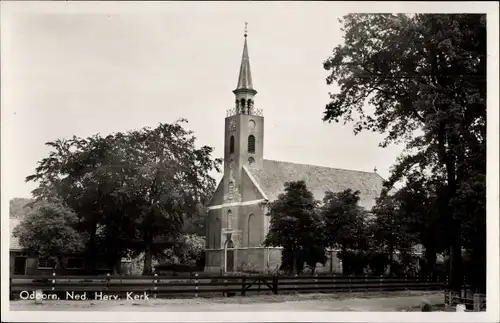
[353,262]
[377,263]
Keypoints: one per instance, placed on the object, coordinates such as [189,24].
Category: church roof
[245,78]
[274,174]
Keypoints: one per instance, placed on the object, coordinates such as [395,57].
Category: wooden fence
[93,287]
[475,302]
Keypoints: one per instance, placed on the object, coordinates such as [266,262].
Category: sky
[79,72]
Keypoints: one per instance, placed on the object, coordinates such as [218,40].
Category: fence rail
[168,286]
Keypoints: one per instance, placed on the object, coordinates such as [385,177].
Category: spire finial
[246,28]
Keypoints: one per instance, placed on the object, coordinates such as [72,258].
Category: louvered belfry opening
[231,145]
[251,144]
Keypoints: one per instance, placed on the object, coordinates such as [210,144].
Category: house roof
[274,174]
[14,241]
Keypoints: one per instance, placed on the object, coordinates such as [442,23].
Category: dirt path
[275,303]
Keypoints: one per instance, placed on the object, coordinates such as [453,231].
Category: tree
[189,250]
[49,230]
[132,191]
[390,228]
[296,226]
[419,201]
[344,221]
[425,77]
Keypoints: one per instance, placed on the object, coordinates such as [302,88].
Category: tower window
[230,187]
[231,145]
[229,219]
[251,144]
[249,230]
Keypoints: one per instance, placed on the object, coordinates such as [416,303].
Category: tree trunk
[344,254]
[430,261]
[117,266]
[59,268]
[391,259]
[148,259]
[294,267]
[91,253]
[455,279]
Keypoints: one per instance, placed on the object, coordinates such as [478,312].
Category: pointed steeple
[245,77]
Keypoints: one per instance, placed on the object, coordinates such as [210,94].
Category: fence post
[350,283]
[53,280]
[196,282]
[107,281]
[275,285]
[406,282]
[381,285]
[155,281]
[243,286]
[476,299]
[225,285]
[366,283]
[316,281]
[465,288]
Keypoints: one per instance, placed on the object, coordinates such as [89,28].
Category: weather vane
[246,28]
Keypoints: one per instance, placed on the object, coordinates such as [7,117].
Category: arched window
[251,144]
[217,233]
[209,236]
[249,230]
[231,145]
[242,106]
[230,219]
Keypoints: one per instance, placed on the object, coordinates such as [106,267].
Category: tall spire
[245,78]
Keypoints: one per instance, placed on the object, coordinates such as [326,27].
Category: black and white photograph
[249,161]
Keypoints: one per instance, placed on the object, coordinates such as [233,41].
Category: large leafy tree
[132,191]
[49,229]
[18,207]
[296,226]
[424,75]
[419,210]
[344,221]
[390,229]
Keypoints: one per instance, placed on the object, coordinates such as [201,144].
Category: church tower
[244,132]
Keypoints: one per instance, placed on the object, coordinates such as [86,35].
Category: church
[236,223]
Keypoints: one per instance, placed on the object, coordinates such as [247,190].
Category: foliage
[296,226]
[354,262]
[313,255]
[390,229]
[344,220]
[49,230]
[133,191]
[424,76]
[18,207]
[188,250]
[377,263]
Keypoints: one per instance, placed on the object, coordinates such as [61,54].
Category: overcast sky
[102,71]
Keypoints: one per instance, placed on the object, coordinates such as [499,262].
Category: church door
[230,256]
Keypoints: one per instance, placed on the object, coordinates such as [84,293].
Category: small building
[236,221]
[22,263]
